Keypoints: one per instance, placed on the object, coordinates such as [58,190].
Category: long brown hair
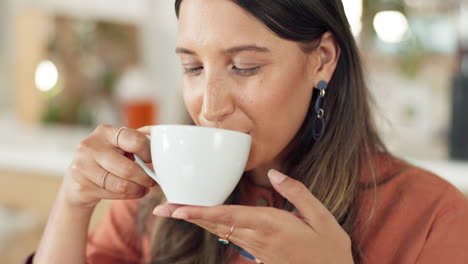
[330,167]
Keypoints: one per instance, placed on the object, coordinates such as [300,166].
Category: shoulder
[407,195]
[401,181]
[411,212]
[421,187]
[441,200]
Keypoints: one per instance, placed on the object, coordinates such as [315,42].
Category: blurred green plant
[411,57]
[410,52]
[92,55]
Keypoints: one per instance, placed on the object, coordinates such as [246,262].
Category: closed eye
[239,71]
[193,71]
[246,72]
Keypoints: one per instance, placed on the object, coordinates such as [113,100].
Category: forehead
[219,24]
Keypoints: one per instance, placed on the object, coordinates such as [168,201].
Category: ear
[326,58]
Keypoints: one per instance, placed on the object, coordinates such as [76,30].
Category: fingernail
[276,176]
[162,211]
[180,215]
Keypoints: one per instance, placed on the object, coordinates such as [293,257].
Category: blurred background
[68,66]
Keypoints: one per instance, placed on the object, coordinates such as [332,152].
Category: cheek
[278,106]
[192,102]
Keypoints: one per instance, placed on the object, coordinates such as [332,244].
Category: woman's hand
[272,235]
[85,185]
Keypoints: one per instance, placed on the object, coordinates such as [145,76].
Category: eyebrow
[232,50]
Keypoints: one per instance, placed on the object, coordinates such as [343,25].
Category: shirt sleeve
[447,241]
[116,238]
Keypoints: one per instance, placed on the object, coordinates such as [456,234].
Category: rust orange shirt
[419,218]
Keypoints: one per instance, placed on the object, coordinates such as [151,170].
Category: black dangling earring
[319,122]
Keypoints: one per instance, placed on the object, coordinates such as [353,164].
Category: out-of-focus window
[411,49]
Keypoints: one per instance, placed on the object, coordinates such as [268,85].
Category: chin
[253,161]
[250,166]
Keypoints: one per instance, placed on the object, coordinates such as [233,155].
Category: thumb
[276,177]
[145,130]
[295,192]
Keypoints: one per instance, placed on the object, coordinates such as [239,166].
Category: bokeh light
[46,76]
[353,9]
[391,26]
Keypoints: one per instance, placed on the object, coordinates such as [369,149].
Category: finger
[129,140]
[94,174]
[165,210]
[145,130]
[257,218]
[298,215]
[111,160]
[313,211]
[108,195]
[246,238]
[221,230]
[83,184]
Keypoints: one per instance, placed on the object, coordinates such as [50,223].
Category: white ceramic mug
[197,165]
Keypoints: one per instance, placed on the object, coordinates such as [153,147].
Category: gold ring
[103,181]
[225,239]
[116,141]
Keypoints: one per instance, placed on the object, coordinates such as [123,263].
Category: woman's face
[238,75]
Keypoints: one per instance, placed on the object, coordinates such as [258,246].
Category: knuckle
[274,213]
[227,216]
[214,227]
[74,166]
[123,187]
[74,169]
[347,240]
[133,195]
[269,220]
[298,186]
[219,229]
[139,142]
[101,128]
[129,170]
[323,216]
[297,189]
[76,186]
[83,146]
[80,188]
[144,129]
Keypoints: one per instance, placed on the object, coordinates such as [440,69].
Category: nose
[217,102]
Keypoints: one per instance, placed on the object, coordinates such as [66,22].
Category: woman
[319,185]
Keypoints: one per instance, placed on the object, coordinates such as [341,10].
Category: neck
[259,175]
